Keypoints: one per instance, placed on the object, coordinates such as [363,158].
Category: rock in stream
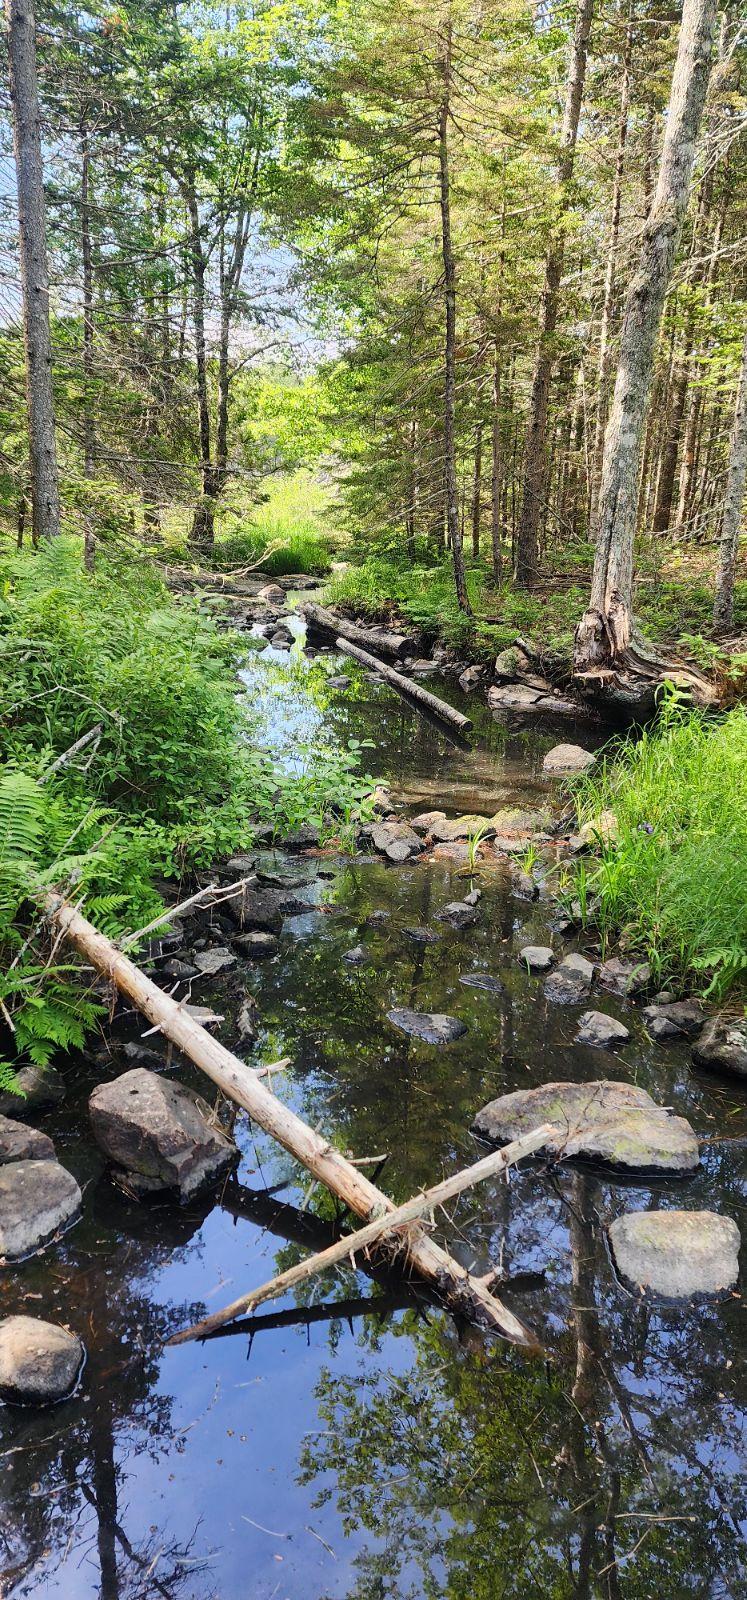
[603,1120]
[37,1198]
[676,1253]
[433,1027]
[39,1361]
[159,1134]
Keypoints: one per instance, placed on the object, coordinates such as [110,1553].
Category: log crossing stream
[354,1442]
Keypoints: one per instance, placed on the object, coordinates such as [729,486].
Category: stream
[355,1443]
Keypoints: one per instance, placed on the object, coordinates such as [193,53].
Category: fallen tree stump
[410,690]
[378,640]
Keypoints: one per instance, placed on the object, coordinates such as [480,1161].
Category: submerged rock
[680,1018]
[482,980]
[159,1133]
[395,840]
[537,957]
[40,1087]
[247,1019]
[522,883]
[600,1031]
[340,682]
[357,957]
[624,977]
[571,981]
[676,1253]
[210,962]
[256,946]
[19,1143]
[568,758]
[431,1026]
[422,935]
[606,1121]
[36,1199]
[39,1361]
[458,914]
[722,1046]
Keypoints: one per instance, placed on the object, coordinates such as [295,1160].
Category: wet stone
[340,682]
[39,1361]
[624,977]
[722,1046]
[239,866]
[600,1031]
[447,831]
[537,957]
[174,968]
[210,962]
[567,758]
[395,840]
[681,1018]
[41,1086]
[571,981]
[160,1133]
[256,910]
[20,1143]
[37,1198]
[676,1253]
[255,946]
[426,820]
[357,957]
[433,1027]
[615,1123]
[458,914]
[481,980]
[423,935]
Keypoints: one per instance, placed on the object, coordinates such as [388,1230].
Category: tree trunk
[203,522]
[534,448]
[496,483]
[449,264]
[24,99]
[608,300]
[476,491]
[604,632]
[723,610]
[89,431]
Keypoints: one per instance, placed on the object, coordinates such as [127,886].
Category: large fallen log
[377,640]
[411,691]
[465,1294]
[352,1244]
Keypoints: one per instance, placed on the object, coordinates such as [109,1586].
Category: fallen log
[462,1292]
[381,1227]
[377,640]
[405,686]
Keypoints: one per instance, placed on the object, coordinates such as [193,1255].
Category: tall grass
[674,879]
[294,519]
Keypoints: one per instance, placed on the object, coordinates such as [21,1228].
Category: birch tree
[723,610]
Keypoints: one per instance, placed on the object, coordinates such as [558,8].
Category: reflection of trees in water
[61,1465]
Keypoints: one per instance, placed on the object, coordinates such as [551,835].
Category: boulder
[601,830]
[273,594]
[676,1253]
[537,957]
[600,1031]
[256,910]
[304,837]
[281,639]
[395,840]
[176,968]
[471,679]
[722,1046]
[426,820]
[339,682]
[567,758]
[39,1361]
[238,866]
[624,977]
[513,822]
[482,980]
[512,662]
[40,1087]
[571,981]
[19,1143]
[458,914]
[423,935]
[513,697]
[605,1121]
[210,962]
[433,1027]
[159,1133]
[255,946]
[522,883]
[682,1018]
[461,828]
[37,1198]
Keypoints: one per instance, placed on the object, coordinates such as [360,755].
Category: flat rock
[160,1133]
[676,1253]
[357,957]
[431,1026]
[395,840]
[722,1046]
[461,828]
[481,980]
[210,962]
[19,1143]
[41,1087]
[36,1199]
[514,822]
[622,977]
[423,935]
[571,981]
[600,1031]
[426,820]
[513,697]
[537,957]
[256,946]
[256,910]
[605,1121]
[458,914]
[522,884]
[176,968]
[568,758]
[39,1361]
[238,866]
[272,593]
[682,1018]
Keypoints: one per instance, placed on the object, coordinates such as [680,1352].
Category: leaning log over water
[405,686]
[346,1248]
[377,640]
[467,1295]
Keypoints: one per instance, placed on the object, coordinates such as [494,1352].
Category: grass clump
[292,524]
[673,878]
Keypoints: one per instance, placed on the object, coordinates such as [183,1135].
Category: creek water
[354,1442]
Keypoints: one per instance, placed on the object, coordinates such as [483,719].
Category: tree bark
[535,460]
[723,610]
[476,493]
[203,522]
[605,630]
[608,300]
[496,482]
[449,280]
[24,99]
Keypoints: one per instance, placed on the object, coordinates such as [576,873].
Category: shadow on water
[366,1446]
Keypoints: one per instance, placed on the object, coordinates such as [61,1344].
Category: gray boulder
[676,1253]
[458,914]
[37,1198]
[447,830]
[426,820]
[19,1143]
[471,679]
[159,1133]
[176,968]
[256,946]
[537,957]
[624,977]
[395,840]
[40,1087]
[722,1046]
[522,884]
[567,758]
[683,1018]
[600,1031]
[433,1027]
[217,959]
[39,1361]
[256,910]
[272,593]
[605,1121]
[571,981]
[357,957]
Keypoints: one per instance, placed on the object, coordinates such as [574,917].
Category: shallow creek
[355,1443]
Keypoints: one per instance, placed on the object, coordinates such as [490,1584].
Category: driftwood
[630,685]
[412,691]
[467,1295]
[378,640]
[348,1247]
